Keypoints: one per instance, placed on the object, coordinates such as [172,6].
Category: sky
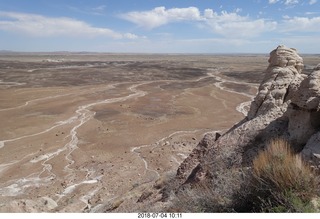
[159,26]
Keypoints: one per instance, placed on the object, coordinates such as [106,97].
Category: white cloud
[41,26]
[208,13]
[130,36]
[301,24]
[311,13]
[237,10]
[291,2]
[160,16]
[273,1]
[99,10]
[226,24]
[232,25]
[311,2]
[288,3]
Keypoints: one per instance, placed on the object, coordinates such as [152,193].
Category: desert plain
[81,130]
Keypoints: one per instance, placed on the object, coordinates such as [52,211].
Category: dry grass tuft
[201,198]
[280,168]
[282,182]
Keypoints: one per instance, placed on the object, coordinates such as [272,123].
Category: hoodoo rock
[303,112]
[307,97]
[282,77]
[306,103]
[286,106]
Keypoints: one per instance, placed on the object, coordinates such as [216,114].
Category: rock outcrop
[286,106]
[306,106]
[282,77]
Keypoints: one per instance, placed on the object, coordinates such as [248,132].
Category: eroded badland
[81,130]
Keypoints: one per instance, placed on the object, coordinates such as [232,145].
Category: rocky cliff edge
[287,106]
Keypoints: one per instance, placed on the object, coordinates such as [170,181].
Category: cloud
[41,26]
[237,10]
[99,8]
[273,1]
[288,3]
[311,13]
[226,24]
[301,24]
[97,11]
[233,25]
[160,16]
[291,2]
[130,36]
[311,2]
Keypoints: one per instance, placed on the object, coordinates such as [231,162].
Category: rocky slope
[286,106]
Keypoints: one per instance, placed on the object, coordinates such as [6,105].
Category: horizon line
[141,53]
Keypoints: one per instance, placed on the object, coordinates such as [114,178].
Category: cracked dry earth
[78,131]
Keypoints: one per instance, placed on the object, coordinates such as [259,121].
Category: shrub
[200,198]
[278,181]
[281,181]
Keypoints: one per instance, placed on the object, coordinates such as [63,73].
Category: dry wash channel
[80,133]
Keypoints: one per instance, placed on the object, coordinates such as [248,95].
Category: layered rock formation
[286,106]
[282,77]
[306,105]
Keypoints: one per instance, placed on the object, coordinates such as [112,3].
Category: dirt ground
[80,130]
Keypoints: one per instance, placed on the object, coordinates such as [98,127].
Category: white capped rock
[282,77]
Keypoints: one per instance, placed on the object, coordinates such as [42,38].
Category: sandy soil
[79,130]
